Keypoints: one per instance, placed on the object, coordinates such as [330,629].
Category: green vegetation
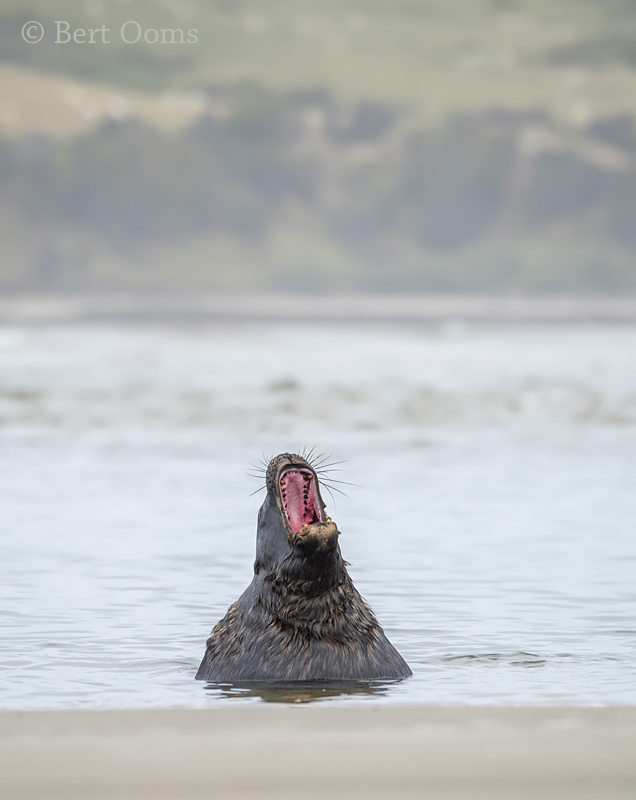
[433,57]
[482,145]
[317,195]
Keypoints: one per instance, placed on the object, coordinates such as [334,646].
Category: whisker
[335,488]
[333,464]
[332,497]
[320,459]
[344,483]
[257,467]
[257,490]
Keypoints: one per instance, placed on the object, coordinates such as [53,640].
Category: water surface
[491,528]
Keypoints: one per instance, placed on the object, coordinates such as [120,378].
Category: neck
[309,575]
[314,607]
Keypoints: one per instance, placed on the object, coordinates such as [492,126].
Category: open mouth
[300,498]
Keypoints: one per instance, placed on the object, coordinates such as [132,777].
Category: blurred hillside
[390,145]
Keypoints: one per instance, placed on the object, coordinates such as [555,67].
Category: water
[492,528]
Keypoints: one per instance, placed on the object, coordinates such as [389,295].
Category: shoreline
[304,751]
[46,309]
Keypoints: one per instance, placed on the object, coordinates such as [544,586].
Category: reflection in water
[297,692]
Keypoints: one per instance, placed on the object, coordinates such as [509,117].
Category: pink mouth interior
[300,498]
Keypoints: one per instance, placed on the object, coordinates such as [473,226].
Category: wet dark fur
[301,618]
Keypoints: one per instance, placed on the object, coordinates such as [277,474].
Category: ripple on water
[491,528]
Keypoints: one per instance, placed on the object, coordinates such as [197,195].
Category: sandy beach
[209,307]
[304,751]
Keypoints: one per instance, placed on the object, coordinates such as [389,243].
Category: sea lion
[301,618]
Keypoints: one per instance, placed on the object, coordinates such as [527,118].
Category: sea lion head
[292,525]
